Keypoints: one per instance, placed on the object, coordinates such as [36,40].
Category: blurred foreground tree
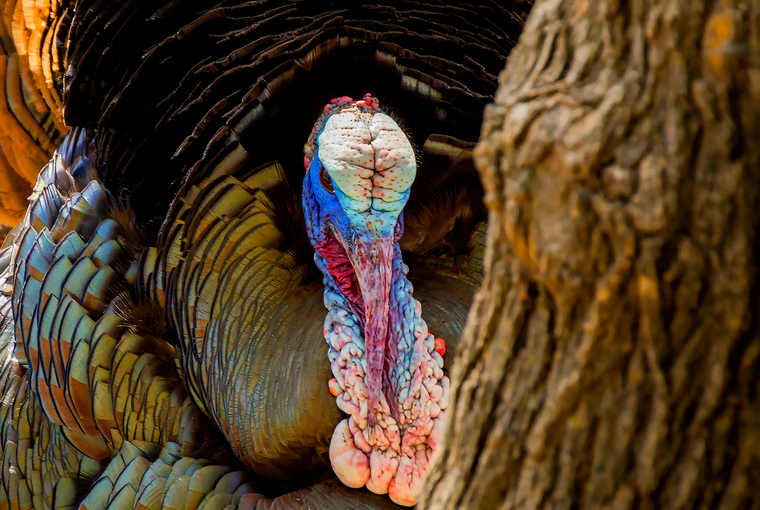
[611,358]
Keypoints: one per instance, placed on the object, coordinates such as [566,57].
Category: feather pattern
[95,381]
[227,267]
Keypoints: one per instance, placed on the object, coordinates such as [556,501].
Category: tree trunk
[611,357]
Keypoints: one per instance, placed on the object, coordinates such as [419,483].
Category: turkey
[241,277]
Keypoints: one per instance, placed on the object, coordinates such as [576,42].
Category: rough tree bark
[611,358]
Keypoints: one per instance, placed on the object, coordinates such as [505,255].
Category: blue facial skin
[321,205]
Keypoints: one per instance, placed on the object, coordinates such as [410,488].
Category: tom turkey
[199,312]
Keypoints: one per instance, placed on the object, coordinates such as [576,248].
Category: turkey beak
[372,258]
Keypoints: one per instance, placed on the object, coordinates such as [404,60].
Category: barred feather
[93,381]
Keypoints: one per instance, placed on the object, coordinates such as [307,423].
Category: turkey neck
[395,420]
[392,317]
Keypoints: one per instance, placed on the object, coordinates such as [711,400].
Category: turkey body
[163,341]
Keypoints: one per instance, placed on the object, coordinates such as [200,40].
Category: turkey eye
[325,180]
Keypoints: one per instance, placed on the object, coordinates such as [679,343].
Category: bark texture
[611,357]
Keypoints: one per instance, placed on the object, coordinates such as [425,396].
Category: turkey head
[388,376]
